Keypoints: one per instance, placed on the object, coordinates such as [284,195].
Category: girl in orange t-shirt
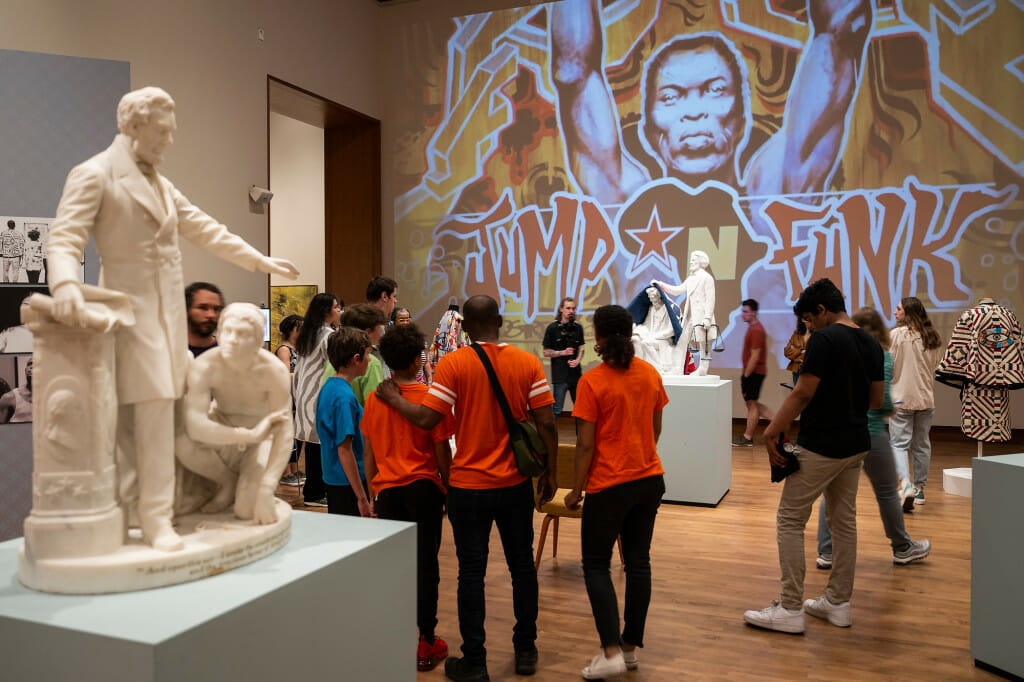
[618,409]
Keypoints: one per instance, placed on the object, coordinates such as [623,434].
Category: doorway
[351,187]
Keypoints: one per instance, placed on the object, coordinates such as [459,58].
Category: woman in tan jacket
[916,349]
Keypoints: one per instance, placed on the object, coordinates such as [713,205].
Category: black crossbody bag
[531,455]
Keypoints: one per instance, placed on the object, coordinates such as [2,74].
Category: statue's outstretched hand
[279,266]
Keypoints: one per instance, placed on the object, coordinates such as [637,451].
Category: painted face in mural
[694,113]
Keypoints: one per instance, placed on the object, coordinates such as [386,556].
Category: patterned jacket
[985,349]
[985,360]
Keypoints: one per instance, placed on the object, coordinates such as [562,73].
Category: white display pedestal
[957,481]
[695,445]
[997,553]
[339,602]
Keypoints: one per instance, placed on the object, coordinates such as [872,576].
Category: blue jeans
[627,509]
[909,429]
[472,512]
[878,465]
[559,390]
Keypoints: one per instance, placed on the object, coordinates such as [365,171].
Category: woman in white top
[322,317]
[916,349]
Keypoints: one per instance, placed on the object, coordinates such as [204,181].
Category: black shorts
[750,386]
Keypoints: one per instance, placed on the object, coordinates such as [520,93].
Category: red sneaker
[428,656]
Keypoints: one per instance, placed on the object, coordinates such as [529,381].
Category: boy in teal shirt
[338,413]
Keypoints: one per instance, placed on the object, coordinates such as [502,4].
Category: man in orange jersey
[485,486]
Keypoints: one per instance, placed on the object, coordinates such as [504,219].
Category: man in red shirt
[485,486]
[755,367]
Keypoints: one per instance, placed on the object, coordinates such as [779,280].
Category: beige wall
[206,54]
[297,215]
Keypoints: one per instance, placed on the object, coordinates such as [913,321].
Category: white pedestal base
[957,481]
[695,447]
[339,602]
[214,543]
[997,553]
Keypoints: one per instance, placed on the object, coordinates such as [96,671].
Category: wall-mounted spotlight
[260,195]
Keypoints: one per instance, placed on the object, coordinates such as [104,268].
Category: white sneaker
[631,659]
[918,550]
[907,497]
[837,614]
[777,617]
[602,667]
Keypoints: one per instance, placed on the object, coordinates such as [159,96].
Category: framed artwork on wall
[288,300]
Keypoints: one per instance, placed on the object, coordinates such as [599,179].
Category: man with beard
[203,302]
[563,343]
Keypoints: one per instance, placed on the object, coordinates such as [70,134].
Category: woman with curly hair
[618,409]
[916,349]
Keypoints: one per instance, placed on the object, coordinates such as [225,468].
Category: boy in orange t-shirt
[407,469]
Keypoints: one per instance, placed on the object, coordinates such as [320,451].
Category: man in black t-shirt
[563,343]
[841,378]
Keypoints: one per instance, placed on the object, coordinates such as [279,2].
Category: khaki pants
[837,479]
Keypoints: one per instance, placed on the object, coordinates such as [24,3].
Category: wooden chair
[556,509]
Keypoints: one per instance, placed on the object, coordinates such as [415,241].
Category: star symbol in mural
[653,240]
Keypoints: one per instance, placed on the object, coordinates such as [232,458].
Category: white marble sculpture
[653,338]
[698,317]
[136,218]
[237,413]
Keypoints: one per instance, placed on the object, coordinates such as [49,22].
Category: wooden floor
[711,564]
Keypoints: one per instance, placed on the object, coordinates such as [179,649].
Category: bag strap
[510,420]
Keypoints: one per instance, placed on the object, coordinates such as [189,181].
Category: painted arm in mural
[586,109]
[803,154]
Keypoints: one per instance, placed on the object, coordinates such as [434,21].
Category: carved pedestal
[75,512]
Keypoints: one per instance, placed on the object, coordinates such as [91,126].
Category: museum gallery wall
[56,111]
[912,185]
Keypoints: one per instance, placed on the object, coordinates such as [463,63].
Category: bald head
[482,320]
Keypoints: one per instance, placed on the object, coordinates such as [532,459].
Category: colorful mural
[583,148]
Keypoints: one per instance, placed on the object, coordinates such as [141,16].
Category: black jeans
[420,502]
[341,499]
[627,509]
[471,513]
[313,489]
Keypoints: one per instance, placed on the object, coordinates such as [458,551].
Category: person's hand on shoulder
[388,392]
